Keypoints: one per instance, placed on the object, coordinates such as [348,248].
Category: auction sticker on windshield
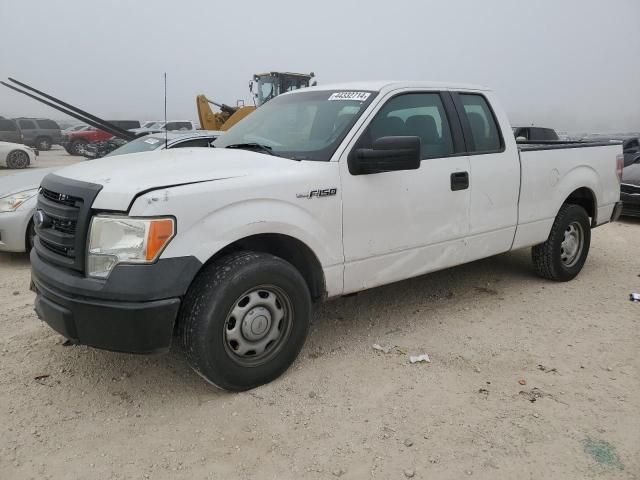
[359,96]
[152,141]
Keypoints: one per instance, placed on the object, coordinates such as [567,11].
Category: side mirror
[387,155]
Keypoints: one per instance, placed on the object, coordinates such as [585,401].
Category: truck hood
[123,177]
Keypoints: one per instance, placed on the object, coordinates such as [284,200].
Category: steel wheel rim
[44,145]
[20,159]
[572,245]
[258,325]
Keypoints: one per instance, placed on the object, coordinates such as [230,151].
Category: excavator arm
[223,120]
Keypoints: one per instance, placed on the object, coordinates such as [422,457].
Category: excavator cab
[271,84]
[267,85]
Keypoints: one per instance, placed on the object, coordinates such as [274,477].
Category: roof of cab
[379,85]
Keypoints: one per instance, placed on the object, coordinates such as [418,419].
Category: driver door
[401,224]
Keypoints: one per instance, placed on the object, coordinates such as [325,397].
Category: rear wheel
[43,143]
[245,319]
[18,159]
[563,255]
[77,146]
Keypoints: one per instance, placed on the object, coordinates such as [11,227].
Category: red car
[75,142]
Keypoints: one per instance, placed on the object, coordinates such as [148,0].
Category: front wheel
[245,319]
[562,256]
[18,159]
[77,147]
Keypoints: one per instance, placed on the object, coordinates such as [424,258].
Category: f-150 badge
[325,192]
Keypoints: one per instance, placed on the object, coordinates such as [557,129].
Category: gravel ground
[528,379]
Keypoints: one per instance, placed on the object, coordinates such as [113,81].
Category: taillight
[619,166]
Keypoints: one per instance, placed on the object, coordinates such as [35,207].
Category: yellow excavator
[263,88]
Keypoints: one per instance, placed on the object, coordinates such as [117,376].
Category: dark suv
[39,132]
[9,131]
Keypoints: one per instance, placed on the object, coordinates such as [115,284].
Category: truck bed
[551,171]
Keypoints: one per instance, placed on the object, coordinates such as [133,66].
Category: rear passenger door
[494,175]
[401,224]
[28,128]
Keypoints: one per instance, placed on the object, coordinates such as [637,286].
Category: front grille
[65,205]
[59,249]
[61,198]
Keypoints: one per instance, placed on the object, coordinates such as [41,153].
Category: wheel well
[288,248]
[586,199]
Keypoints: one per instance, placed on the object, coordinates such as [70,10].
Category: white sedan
[15,155]
[18,196]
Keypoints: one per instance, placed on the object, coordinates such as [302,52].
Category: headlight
[11,202]
[119,239]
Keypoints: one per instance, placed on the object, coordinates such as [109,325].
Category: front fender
[232,222]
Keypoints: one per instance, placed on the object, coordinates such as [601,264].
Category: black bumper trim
[134,310]
[169,277]
[133,327]
[617,211]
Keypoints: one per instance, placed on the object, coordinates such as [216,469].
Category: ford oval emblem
[40,219]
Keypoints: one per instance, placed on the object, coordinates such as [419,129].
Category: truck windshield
[301,126]
[144,144]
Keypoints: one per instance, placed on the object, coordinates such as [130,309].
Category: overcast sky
[571,64]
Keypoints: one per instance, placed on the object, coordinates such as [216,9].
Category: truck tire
[76,146]
[244,320]
[562,256]
[43,143]
[18,159]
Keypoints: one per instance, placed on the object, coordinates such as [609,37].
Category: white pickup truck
[321,192]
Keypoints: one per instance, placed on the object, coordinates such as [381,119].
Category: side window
[7,126]
[198,142]
[484,129]
[178,126]
[48,124]
[549,134]
[414,114]
[27,124]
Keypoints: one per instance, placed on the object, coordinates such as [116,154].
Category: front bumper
[133,311]
[630,204]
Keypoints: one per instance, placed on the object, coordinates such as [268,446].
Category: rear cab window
[482,131]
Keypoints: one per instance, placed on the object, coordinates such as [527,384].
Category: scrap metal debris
[547,369]
[419,358]
[380,348]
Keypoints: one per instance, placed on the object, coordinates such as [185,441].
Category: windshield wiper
[252,146]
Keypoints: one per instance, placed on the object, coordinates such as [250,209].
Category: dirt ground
[56,157]
[528,379]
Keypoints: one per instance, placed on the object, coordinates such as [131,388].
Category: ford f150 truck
[321,192]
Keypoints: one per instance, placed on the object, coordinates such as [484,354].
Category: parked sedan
[16,155]
[18,194]
[630,189]
[18,191]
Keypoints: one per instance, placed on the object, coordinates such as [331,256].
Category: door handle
[459,181]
